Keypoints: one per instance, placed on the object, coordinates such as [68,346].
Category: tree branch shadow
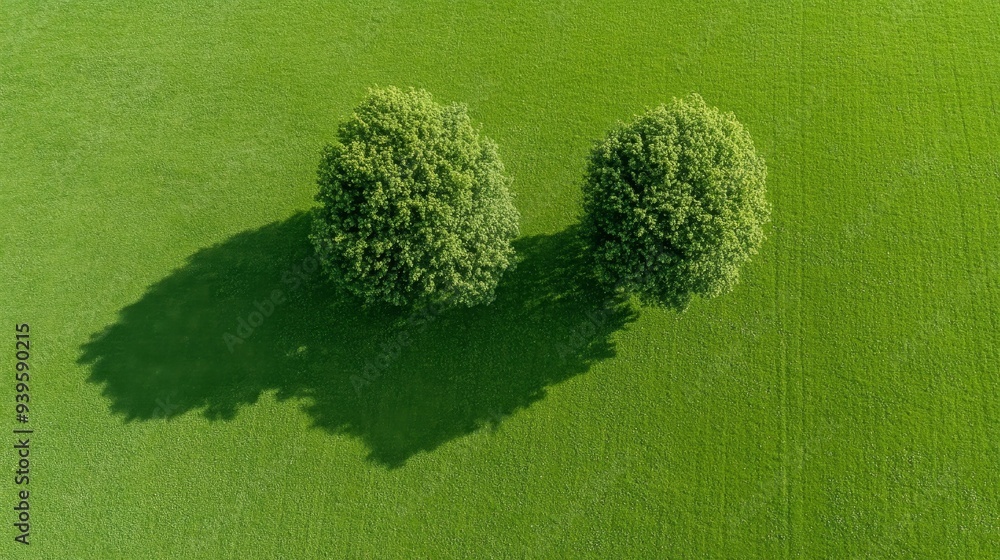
[402,381]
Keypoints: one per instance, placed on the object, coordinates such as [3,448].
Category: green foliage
[414,204]
[674,203]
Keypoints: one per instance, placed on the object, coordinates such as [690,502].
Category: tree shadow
[403,381]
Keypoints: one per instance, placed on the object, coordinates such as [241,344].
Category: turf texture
[157,162]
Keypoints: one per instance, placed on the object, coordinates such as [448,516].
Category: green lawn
[156,164]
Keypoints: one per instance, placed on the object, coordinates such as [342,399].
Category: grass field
[156,164]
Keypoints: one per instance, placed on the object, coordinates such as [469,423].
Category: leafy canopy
[674,203]
[414,206]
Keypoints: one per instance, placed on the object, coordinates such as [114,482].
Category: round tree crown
[674,203]
[414,205]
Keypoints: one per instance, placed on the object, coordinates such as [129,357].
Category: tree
[414,206]
[674,203]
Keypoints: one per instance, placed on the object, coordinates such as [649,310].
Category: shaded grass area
[843,402]
[401,380]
